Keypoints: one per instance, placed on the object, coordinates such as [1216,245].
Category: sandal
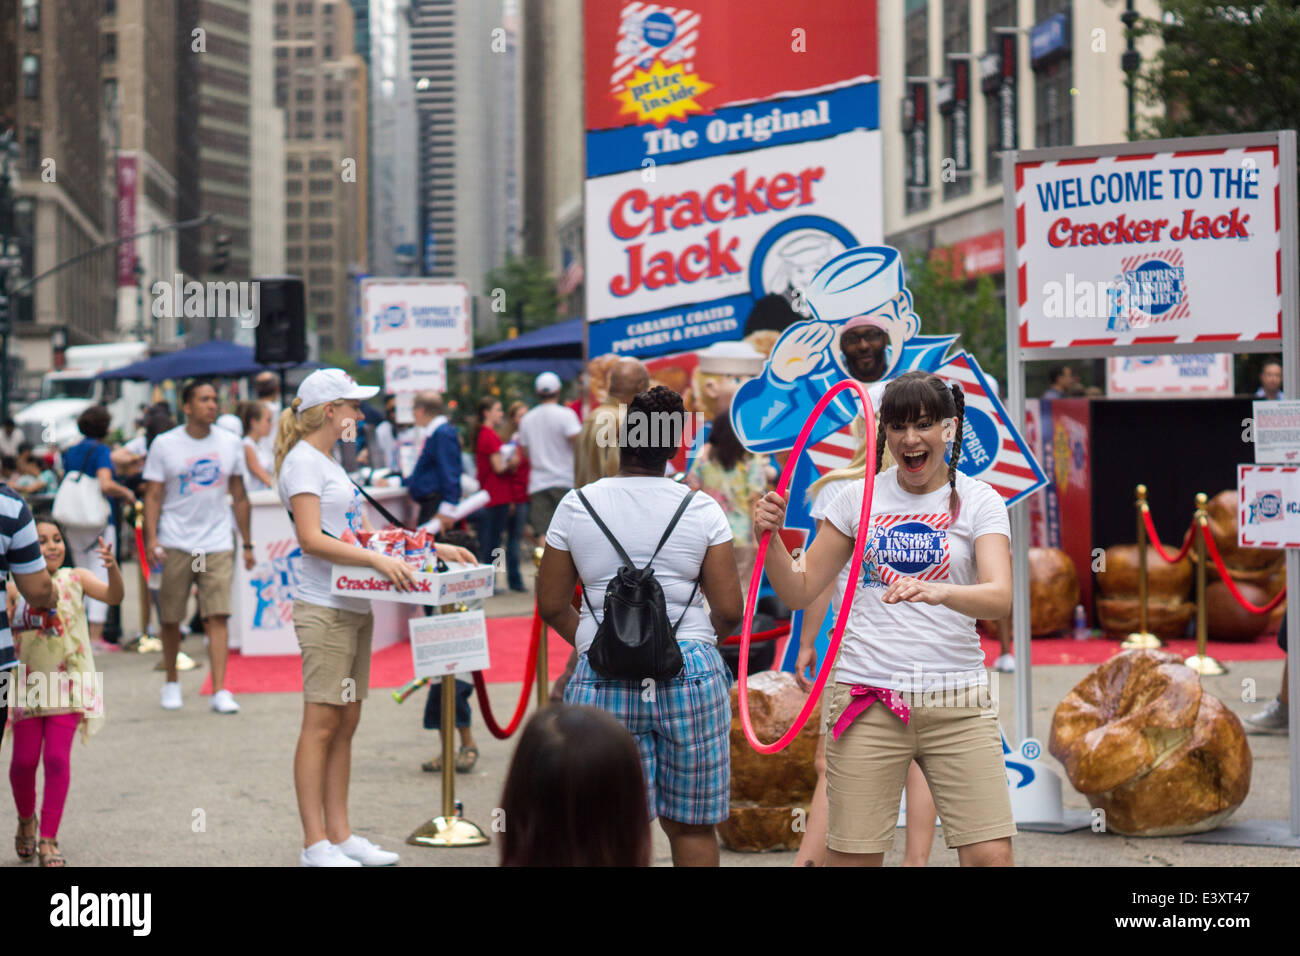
[466,758]
[25,843]
[50,855]
[432,766]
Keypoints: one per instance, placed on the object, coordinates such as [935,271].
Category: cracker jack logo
[1267,506]
[912,546]
[653,76]
[199,474]
[391,317]
[1151,288]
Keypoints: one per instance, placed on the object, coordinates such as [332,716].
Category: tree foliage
[947,302]
[1223,68]
[521,283]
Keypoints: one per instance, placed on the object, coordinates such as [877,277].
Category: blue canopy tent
[556,348]
[207,359]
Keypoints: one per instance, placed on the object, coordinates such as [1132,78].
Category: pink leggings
[57,733]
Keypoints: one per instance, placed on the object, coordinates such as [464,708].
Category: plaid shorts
[682,729]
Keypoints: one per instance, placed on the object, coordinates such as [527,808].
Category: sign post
[1155,247]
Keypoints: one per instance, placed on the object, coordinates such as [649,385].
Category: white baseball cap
[327,385]
[548,383]
[232,424]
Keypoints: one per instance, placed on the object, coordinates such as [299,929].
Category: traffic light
[221,253]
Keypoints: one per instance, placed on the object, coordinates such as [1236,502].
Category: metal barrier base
[447,831]
[1250,833]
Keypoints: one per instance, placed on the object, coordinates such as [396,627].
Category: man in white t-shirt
[548,432]
[190,469]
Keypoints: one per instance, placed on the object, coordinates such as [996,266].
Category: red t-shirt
[497,486]
[519,477]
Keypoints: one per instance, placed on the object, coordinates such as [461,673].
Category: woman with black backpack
[645,548]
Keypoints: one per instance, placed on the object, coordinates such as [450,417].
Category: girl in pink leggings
[57,689]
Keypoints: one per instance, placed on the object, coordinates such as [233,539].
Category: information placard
[449,643]
[1277,433]
[414,373]
[1150,376]
[1269,514]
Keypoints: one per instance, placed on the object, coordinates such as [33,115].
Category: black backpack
[633,639]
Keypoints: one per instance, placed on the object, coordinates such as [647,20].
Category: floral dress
[735,490]
[56,670]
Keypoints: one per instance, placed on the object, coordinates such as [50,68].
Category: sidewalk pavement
[194,788]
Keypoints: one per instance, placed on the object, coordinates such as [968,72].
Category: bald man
[596,456]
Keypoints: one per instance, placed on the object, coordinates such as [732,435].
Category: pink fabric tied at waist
[863,697]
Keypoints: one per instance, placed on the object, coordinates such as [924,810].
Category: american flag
[571,277]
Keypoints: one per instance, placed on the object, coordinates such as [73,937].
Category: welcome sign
[1143,248]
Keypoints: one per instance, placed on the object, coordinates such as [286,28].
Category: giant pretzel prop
[855,568]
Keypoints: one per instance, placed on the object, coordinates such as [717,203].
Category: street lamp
[1129,63]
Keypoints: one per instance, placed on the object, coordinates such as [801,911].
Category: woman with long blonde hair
[333,632]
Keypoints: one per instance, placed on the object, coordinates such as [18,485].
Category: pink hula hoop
[859,547]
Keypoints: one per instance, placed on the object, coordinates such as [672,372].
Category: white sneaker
[1006,664]
[171,695]
[1271,720]
[325,853]
[223,702]
[364,852]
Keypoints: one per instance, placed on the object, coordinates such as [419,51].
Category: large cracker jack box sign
[731,151]
[1140,249]
[864,287]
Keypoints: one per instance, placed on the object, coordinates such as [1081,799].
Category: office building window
[916,63]
[32,14]
[997,13]
[1053,105]
[110,47]
[956,40]
[32,150]
[32,76]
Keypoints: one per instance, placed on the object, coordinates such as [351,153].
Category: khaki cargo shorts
[959,748]
[335,653]
[178,575]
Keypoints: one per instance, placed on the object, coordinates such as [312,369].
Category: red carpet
[508,640]
[391,667]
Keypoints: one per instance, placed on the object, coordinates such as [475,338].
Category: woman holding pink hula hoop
[938,557]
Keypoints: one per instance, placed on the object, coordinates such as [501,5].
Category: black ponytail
[959,401]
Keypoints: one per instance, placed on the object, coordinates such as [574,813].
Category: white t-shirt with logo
[195,474]
[306,471]
[267,461]
[906,646]
[545,432]
[636,511]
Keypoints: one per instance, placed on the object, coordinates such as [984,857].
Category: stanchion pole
[1142,639]
[1201,662]
[449,829]
[543,671]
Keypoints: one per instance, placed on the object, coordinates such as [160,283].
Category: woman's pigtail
[880,442]
[959,400]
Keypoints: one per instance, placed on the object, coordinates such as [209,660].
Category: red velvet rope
[139,548]
[1213,550]
[480,687]
[1155,540]
[779,631]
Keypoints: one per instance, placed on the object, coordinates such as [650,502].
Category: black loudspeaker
[281,321]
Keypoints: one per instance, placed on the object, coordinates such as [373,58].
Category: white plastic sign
[448,643]
[414,373]
[410,316]
[1277,433]
[1269,513]
[1151,376]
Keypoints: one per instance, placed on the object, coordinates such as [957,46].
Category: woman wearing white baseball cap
[333,632]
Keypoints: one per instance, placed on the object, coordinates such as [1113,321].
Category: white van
[65,394]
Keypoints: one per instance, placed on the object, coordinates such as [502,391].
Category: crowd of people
[621,525]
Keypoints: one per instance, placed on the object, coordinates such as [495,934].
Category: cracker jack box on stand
[436,582]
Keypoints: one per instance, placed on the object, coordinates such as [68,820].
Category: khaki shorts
[541,509]
[335,653]
[958,748]
[214,583]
